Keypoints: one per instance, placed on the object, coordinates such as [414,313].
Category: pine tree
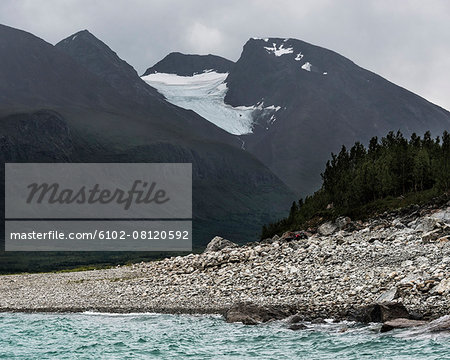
[293,212]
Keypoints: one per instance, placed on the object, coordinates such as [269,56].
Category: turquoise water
[155,336]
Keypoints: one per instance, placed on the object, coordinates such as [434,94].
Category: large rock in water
[219,243]
[252,314]
[380,313]
[441,324]
[438,325]
[296,327]
[401,324]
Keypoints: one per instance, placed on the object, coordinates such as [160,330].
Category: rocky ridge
[399,258]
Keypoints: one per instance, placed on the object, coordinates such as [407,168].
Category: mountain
[79,102]
[188,65]
[98,58]
[303,102]
[34,74]
[39,136]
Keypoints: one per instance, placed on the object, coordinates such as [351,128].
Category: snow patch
[204,71]
[306,66]
[325,73]
[74,37]
[273,107]
[299,57]
[278,50]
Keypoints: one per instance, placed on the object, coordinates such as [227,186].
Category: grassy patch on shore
[61,262]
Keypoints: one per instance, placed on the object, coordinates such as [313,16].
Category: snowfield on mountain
[205,93]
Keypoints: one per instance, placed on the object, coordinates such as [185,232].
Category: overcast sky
[406,41]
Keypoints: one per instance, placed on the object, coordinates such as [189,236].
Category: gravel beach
[401,257]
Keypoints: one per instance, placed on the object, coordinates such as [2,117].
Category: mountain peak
[83,36]
[279,41]
[97,57]
[295,49]
[188,64]
[28,74]
[86,41]
[268,39]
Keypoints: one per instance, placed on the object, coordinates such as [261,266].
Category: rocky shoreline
[332,272]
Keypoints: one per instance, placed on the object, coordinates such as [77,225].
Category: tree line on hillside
[393,167]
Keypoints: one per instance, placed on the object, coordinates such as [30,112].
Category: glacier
[204,93]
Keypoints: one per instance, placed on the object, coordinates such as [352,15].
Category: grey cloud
[408,42]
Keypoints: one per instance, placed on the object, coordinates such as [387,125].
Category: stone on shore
[342,222]
[442,288]
[380,313]
[327,228]
[388,296]
[218,243]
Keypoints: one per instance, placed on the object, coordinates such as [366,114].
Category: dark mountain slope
[40,136]
[33,73]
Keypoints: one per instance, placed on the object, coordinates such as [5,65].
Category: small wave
[96,313]
[149,314]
